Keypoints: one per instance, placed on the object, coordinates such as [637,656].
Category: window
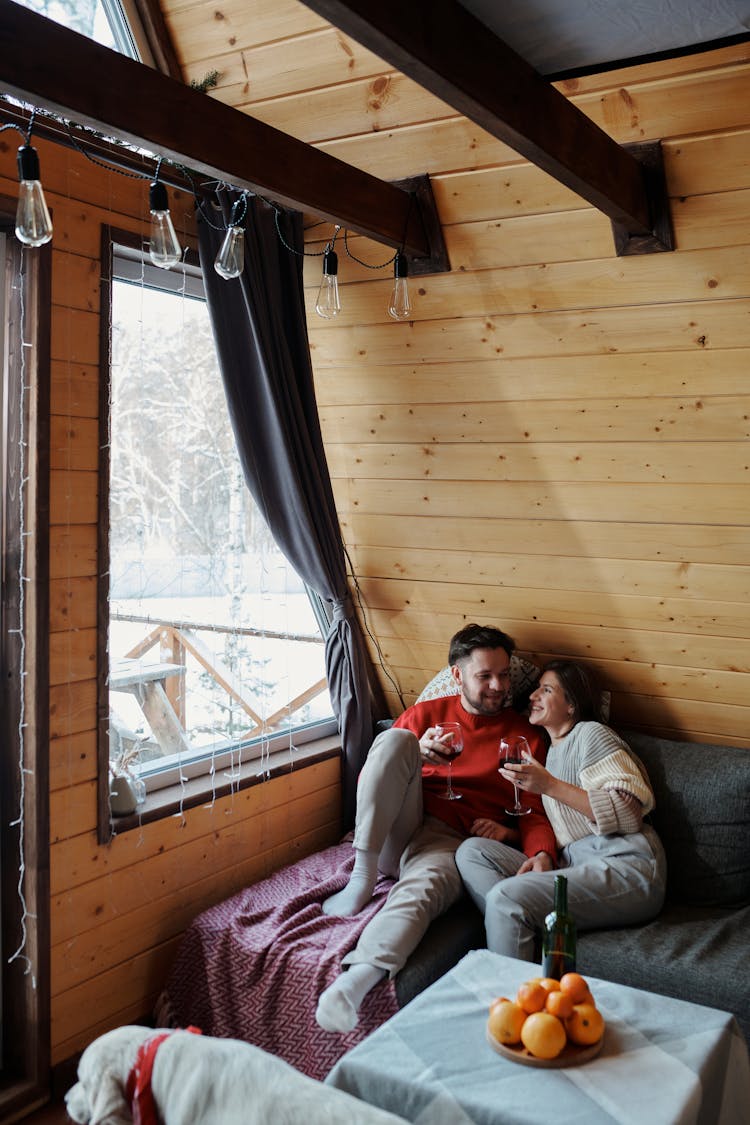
[215,652]
[113,23]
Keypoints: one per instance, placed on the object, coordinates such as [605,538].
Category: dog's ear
[108,1104]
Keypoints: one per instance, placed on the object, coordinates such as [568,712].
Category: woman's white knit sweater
[596,759]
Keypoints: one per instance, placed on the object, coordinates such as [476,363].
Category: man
[406,828]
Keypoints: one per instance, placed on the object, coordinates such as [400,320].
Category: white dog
[198,1080]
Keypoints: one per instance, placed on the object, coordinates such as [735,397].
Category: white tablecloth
[663,1062]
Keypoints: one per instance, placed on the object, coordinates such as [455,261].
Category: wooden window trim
[174,799]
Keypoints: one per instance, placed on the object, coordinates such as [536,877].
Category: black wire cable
[200,204]
[370,634]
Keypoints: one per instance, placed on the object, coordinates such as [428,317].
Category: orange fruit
[543,1035]
[549,985]
[559,1004]
[586,1025]
[575,986]
[500,1000]
[505,1022]
[588,998]
[531,996]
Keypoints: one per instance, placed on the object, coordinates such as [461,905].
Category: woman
[595,793]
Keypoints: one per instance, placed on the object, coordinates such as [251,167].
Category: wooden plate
[571,1055]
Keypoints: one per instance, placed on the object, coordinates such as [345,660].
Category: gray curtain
[260,331]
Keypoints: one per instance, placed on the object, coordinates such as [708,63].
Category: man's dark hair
[579,688]
[478,636]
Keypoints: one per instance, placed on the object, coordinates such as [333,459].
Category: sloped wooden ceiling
[80,80]
[484,80]
[497,89]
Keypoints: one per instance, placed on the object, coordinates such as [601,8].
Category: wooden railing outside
[163,697]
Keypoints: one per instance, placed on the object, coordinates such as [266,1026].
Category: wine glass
[512,750]
[451,737]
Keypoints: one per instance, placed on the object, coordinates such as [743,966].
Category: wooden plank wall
[117,912]
[558,441]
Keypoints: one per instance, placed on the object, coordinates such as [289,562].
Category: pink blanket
[254,966]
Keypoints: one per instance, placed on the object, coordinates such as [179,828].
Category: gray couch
[698,948]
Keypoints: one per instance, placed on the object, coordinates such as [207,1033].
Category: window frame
[181,785]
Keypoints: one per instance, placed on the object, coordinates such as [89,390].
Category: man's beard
[484,707]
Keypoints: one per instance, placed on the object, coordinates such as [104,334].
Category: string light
[399,306]
[164,249]
[34,228]
[33,224]
[21,953]
[230,261]
[328,304]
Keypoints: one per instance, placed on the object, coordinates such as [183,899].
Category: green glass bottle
[559,935]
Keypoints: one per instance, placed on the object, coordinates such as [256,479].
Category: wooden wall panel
[558,440]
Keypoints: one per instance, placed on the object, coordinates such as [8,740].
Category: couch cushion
[702,816]
[693,953]
[450,937]
[523,677]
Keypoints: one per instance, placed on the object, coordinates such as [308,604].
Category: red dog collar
[138,1089]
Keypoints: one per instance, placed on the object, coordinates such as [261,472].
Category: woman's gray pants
[612,881]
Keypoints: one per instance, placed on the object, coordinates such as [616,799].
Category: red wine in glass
[512,750]
[451,739]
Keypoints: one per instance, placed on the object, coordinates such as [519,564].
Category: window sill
[176,798]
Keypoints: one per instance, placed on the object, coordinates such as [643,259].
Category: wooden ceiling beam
[448,51]
[58,70]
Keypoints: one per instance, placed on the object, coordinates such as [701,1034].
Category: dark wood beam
[446,49]
[63,72]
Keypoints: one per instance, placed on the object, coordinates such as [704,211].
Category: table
[146,682]
[663,1062]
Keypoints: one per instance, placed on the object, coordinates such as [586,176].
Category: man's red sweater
[475,772]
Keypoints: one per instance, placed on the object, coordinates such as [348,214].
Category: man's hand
[542,861]
[432,745]
[491,830]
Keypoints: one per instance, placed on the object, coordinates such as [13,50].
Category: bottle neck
[561,894]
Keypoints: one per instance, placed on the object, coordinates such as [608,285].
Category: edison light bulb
[399,306]
[230,260]
[328,304]
[33,224]
[164,249]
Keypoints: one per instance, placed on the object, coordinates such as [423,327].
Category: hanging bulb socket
[399,306]
[28,163]
[328,304]
[158,200]
[33,222]
[164,249]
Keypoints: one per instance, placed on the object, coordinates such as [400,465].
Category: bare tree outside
[78,15]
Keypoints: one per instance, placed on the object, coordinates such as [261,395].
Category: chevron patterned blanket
[253,967]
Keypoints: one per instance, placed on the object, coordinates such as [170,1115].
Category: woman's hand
[491,830]
[531,776]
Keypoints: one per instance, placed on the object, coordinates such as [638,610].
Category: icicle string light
[20,953]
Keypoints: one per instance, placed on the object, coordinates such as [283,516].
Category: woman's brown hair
[579,687]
